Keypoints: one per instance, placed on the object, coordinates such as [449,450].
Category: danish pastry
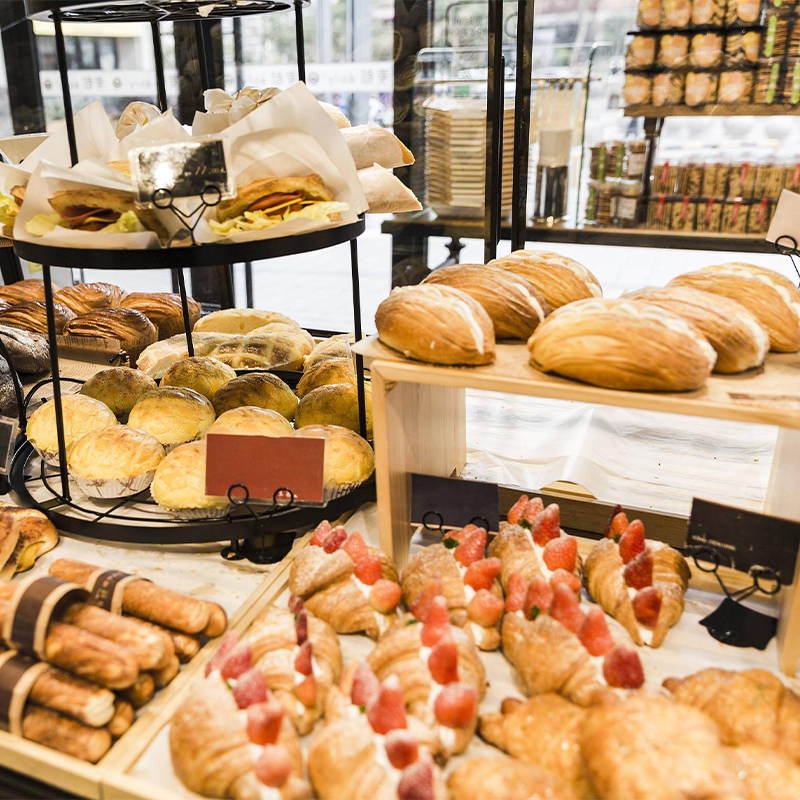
[85,297]
[163,309]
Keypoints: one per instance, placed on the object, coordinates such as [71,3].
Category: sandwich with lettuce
[267,202]
[9,208]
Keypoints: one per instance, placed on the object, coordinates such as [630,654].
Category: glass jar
[648,14]
[640,52]
[708,13]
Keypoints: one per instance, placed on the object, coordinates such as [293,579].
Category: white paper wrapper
[385,192]
[109,488]
[134,117]
[163,130]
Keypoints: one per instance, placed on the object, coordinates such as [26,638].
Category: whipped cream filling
[382,760]
[267,792]
[477,632]
[469,592]
[539,550]
[645,632]
[383,621]
[774,283]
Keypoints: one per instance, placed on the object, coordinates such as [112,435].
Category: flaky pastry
[505,778]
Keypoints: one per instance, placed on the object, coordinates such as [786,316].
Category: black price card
[453,502]
[8,439]
[744,539]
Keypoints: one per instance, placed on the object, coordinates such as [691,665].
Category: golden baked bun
[348,457]
[239,320]
[180,483]
[120,388]
[622,344]
[134,330]
[204,374]
[26,291]
[163,309]
[437,324]
[277,327]
[173,414]
[261,389]
[85,297]
[82,415]
[337,346]
[159,357]
[334,405]
[559,279]
[514,304]
[326,373]
[32,316]
[740,341]
[252,421]
[282,350]
[772,299]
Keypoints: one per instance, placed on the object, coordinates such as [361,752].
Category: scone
[252,421]
[326,373]
[82,415]
[120,388]
[114,462]
[239,320]
[334,405]
[337,346]
[260,389]
[173,414]
[179,484]
[349,459]
[204,374]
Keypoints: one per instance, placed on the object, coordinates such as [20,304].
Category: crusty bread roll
[252,421]
[260,389]
[277,327]
[559,279]
[120,388]
[163,309]
[772,299]
[334,405]
[204,374]
[740,341]
[514,304]
[29,352]
[337,346]
[239,320]
[326,373]
[348,457]
[622,344]
[132,328]
[85,297]
[438,324]
[116,452]
[25,291]
[159,357]
[281,350]
[32,316]
[173,414]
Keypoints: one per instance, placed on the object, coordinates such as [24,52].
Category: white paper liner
[109,488]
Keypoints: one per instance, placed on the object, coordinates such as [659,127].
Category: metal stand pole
[204,54]
[652,130]
[187,325]
[494,109]
[158,55]
[362,405]
[589,67]
[61,55]
[248,284]
[522,123]
[301,45]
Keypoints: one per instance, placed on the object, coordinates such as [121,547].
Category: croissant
[458,571]
[543,731]
[505,778]
[641,583]
[764,773]
[343,581]
[750,707]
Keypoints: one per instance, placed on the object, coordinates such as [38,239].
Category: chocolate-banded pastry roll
[791,82]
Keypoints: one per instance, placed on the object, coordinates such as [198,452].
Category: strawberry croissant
[458,570]
[640,582]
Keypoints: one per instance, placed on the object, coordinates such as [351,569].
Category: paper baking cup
[109,488]
[48,456]
[199,513]
[169,447]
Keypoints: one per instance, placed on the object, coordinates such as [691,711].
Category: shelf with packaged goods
[717,110]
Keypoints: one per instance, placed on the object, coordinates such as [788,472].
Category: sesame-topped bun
[252,421]
[438,324]
[204,374]
[622,344]
[173,414]
[120,388]
[348,457]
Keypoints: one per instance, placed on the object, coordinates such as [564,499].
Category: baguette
[122,719]
[141,691]
[66,735]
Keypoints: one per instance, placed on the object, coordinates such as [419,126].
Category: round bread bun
[173,414]
[120,388]
[437,324]
[622,344]
[117,452]
[253,421]
[25,291]
[260,389]
[770,297]
[85,297]
[337,346]
[325,373]
[740,341]
[240,320]
[334,405]
[32,316]
[275,327]
[559,279]
[348,457]
[82,415]
[204,374]
[180,481]
[164,310]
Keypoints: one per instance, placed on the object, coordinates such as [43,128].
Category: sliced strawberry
[471,549]
[547,525]
[365,685]
[485,608]
[538,598]
[368,569]
[646,606]
[238,661]
[301,627]
[387,710]
[306,691]
[594,633]
[639,572]
[515,593]
[531,513]
[422,605]
[622,668]
[302,659]
[402,748]
[481,574]
[385,595]
[443,660]
[565,608]
[264,721]
[456,537]
[617,524]
[515,512]
[320,533]
[251,688]
[561,553]
[274,766]
[631,543]
[296,605]
[334,540]
[569,579]
[228,642]
[456,705]
[437,622]
[416,781]
[355,546]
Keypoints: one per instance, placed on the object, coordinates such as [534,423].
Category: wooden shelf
[717,110]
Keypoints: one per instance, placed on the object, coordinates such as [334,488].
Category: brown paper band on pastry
[18,673]
[107,588]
